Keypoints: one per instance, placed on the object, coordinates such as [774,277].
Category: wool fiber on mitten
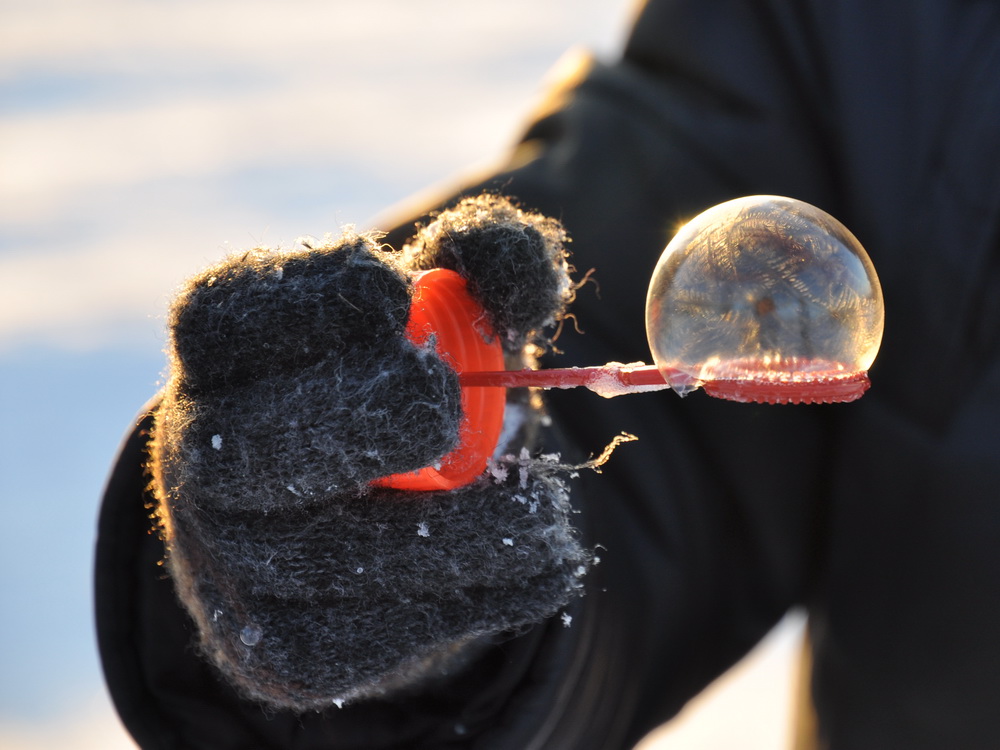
[292,386]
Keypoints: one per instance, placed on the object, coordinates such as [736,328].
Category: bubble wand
[760,299]
[615,379]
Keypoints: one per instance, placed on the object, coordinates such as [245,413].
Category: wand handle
[612,379]
[615,379]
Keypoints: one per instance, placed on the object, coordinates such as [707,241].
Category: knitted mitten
[292,386]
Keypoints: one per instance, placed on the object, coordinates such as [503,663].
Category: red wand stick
[615,379]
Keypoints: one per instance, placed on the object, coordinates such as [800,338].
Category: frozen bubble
[764,289]
[251,635]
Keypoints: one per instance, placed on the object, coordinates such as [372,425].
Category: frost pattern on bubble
[763,288]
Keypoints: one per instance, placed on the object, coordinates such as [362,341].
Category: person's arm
[705,526]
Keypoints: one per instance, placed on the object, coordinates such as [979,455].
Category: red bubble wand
[720,277]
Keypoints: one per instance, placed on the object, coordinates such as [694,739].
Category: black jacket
[881,517]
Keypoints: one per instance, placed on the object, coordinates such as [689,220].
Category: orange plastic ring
[442,307]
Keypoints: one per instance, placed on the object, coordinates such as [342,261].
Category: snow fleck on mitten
[292,387]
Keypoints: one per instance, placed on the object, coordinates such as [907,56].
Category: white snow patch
[423,529]
[498,472]
[508,541]
[217,442]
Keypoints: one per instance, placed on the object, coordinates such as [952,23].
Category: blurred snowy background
[142,139]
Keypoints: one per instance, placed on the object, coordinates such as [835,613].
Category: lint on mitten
[293,388]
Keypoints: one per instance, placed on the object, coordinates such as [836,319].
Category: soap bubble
[765,291]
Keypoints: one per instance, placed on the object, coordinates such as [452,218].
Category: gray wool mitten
[292,386]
